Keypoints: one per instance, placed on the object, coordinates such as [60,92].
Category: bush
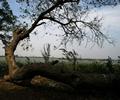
[94,67]
[3,68]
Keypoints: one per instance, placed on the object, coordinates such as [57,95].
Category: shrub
[70,56]
[3,68]
[94,67]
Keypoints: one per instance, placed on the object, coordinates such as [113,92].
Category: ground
[48,89]
[11,91]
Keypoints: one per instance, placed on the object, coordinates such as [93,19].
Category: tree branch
[41,17]
[57,21]
[41,23]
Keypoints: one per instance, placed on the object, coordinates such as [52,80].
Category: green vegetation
[94,67]
[64,67]
[3,68]
[71,56]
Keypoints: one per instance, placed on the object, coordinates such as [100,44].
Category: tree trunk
[10,47]
[18,35]
[10,58]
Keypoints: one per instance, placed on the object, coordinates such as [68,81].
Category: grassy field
[83,65]
[64,66]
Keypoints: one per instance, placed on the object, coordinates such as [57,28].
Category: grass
[94,67]
[62,67]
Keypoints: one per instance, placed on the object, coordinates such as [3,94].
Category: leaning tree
[71,16]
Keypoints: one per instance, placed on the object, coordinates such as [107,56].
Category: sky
[111,27]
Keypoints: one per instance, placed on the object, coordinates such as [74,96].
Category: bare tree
[67,14]
[46,53]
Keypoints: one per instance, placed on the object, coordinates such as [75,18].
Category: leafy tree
[7,19]
[69,15]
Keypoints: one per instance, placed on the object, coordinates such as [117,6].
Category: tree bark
[10,58]
[11,46]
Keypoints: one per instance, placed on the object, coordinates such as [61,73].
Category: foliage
[109,64]
[93,67]
[116,68]
[70,16]
[46,53]
[28,60]
[3,68]
[118,59]
[99,3]
[19,64]
[67,67]
[70,56]
[7,19]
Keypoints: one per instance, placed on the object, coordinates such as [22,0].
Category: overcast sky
[111,27]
